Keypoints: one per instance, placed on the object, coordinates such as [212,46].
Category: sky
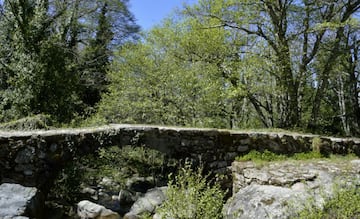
[151,12]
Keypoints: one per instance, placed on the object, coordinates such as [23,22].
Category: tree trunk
[342,106]
[257,107]
[354,87]
[323,83]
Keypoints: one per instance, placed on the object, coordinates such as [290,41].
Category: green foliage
[40,78]
[67,185]
[116,163]
[307,155]
[29,123]
[145,215]
[139,160]
[316,144]
[190,195]
[122,163]
[204,66]
[344,204]
[169,86]
[157,91]
[94,75]
[267,156]
[42,64]
[257,156]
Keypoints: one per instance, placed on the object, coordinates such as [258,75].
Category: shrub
[190,195]
[345,203]
[67,184]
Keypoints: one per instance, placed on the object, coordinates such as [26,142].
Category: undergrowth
[344,204]
[190,195]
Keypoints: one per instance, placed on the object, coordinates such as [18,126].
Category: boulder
[281,189]
[17,201]
[148,203]
[89,210]
[140,184]
[127,197]
[262,201]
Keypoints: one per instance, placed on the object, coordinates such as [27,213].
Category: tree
[97,60]
[44,43]
[285,62]
[345,10]
[294,31]
[114,25]
[35,64]
[159,80]
[347,81]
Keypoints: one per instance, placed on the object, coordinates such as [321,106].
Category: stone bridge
[31,158]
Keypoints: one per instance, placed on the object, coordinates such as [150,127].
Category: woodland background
[291,64]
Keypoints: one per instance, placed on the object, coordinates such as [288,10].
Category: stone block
[89,210]
[17,200]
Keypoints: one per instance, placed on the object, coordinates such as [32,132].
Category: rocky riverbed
[266,190]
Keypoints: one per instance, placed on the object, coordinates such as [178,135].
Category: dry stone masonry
[32,158]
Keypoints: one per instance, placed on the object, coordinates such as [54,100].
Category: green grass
[268,156]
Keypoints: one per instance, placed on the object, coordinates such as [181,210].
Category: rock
[280,189]
[56,210]
[126,197]
[110,202]
[17,217]
[106,181]
[105,193]
[17,201]
[148,203]
[88,210]
[157,216]
[140,184]
[92,193]
[261,201]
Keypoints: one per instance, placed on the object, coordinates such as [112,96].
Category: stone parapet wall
[32,158]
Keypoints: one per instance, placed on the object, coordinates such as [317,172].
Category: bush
[67,185]
[190,195]
[344,204]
